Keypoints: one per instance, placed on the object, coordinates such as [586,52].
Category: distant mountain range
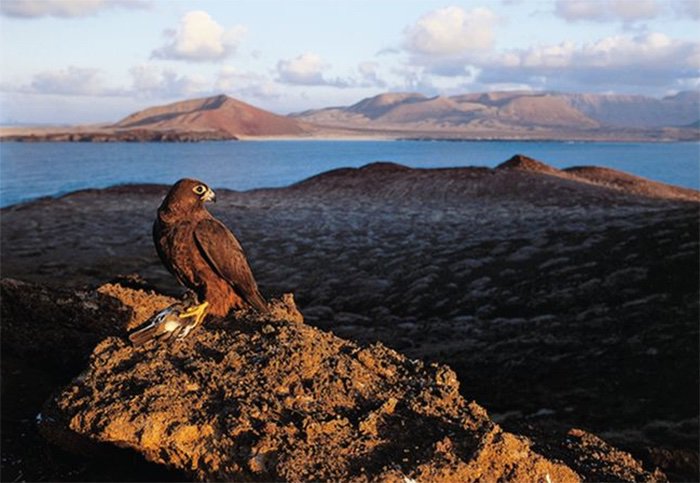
[493,115]
[512,110]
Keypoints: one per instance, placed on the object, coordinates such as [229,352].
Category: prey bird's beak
[209,196]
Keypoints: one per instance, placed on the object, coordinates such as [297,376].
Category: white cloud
[147,81]
[651,59]
[605,11]
[689,8]
[71,81]
[652,49]
[199,38]
[451,31]
[150,81]
[246,84]
[307,69]
[633,10]
[369,75]
[64,8]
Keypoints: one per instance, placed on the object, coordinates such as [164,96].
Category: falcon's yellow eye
[200,189]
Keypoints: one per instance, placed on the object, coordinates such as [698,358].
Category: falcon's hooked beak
[209,196]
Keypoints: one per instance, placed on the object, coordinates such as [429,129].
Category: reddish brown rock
[274,399]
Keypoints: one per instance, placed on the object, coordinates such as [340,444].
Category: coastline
[102,134]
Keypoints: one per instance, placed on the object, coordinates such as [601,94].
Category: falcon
[203,254]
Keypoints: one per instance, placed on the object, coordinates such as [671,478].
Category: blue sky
[84,61]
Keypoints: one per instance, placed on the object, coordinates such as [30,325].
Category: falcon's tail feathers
[258,303]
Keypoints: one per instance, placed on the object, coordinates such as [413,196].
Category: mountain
[512,115]
[219,114]
[639,111]
[514,112]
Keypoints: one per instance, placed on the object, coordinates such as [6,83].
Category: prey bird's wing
[225,255]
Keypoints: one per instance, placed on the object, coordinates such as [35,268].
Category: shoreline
[91,134]
[139,186]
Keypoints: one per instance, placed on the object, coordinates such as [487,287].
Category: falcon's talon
[198,312]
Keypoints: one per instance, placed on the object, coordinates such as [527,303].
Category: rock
[525,163]
[272,399]
[47,338]
[57,327]
[605,462]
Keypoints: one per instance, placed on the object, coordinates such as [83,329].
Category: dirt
[560,300]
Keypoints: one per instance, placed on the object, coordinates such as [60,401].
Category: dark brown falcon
[202,253]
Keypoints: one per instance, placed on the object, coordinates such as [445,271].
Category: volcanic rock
[526,163]
[272,399]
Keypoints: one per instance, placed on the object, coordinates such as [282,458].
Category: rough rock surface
[274,399]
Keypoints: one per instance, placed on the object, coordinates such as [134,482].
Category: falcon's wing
[167,262]
[225,255]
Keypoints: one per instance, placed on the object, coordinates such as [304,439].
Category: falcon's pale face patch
[204,192]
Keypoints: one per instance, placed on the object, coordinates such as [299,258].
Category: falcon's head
[188,194]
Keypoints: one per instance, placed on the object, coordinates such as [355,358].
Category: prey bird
[167,325]
[203,255]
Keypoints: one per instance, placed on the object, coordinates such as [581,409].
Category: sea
[33,170]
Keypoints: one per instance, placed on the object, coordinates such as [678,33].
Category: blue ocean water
[33,170]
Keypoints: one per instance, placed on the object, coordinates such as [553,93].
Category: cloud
[445,42]
[307,70]
[651,59]
[607,11]
[451,31]
[147,81]
[369,76]
[199,38]
[150,81]
[29,9]
[75,81]
[246,84]
[687,8]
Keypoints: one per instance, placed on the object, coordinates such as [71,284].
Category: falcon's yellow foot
[198,312]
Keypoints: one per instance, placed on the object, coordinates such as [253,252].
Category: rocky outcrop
[520,178]
[274,399]
[525,163]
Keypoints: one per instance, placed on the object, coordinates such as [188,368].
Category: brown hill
[638,111]
[435,109]
[520,178]
[374,107]
[219,113]
[544,110]
[516,113]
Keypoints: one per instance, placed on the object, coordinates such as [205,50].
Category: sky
[87,61]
